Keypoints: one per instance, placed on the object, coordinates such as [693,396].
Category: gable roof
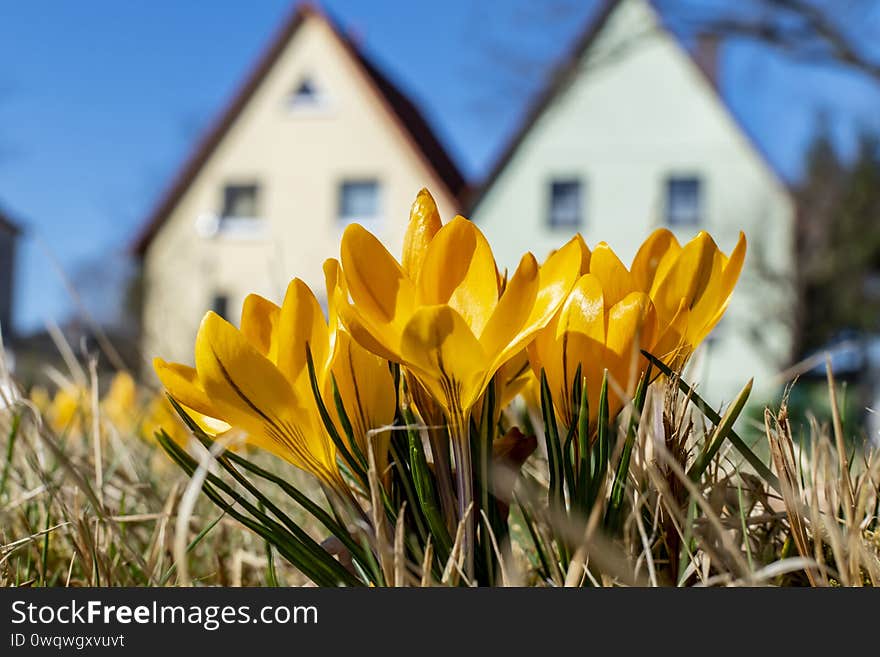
[404,113]
[568,68]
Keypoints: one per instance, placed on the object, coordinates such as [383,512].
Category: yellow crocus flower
[256,380]
[690,287]
[160,414]
[365,383]
[596,332]
[120,404]
[445,313]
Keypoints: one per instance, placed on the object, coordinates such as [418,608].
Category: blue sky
[101,100]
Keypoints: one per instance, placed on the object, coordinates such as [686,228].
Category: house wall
[299,157]
[637,111]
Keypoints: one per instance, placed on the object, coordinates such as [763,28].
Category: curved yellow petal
[688,276]
[513,309]
[250,393]
[183,384]
[301,324]
[459,271]
[731,271]
[447,358]
[556,278]
[387,345]
[424,222]
[259,319]
[654,258]
[366,388]
[377,284]
[574,338]
[586,254]
[615,278]
[671,345]
[584,310]
[632,323]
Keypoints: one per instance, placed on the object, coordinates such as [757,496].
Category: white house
[315,138]
[631,134]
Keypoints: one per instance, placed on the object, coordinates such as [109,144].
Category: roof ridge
[567,66]
[403,110]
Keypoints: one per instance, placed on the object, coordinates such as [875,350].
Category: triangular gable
[566,71]
[403,112]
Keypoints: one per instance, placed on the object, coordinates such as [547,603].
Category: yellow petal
[259,318]
[251,394]
[632,323]
[366,387]
[183,384]
[459,270]
[424,222]
[615,278]
[301,324]
[513,309]
[585,254]
[445,355]
[376,282]
[576,338]
[730,274]
[584,310]
[671,345]
[654,258]
[688,276]
[364,332]
[556,278]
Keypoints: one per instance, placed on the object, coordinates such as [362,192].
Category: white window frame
[376,220]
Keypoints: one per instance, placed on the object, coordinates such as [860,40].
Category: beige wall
[638,112]
[299,158]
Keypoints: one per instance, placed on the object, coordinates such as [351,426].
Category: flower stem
[465,482]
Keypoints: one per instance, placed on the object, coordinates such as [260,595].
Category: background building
[316,138]
[629,135]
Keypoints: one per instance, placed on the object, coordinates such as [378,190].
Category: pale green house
[630,135]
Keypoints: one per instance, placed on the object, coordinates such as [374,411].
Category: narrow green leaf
[10,445]
[551,437]
[621,474]
[722,430]
[334,527]
[426,491]
[346,423]
[715,418]
[329,425]
[536,539]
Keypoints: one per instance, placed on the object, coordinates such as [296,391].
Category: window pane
[305,93]
[358,200]
[565,203]
[683,201]
[240,201]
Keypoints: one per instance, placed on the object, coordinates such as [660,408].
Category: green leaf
[603,437]
[13,433]
[722,430]
[317,564]
[536,538]
[346,423]
[329,425]
[426,491]
[551,437]
[333,526]
[615,504]
[715,418]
